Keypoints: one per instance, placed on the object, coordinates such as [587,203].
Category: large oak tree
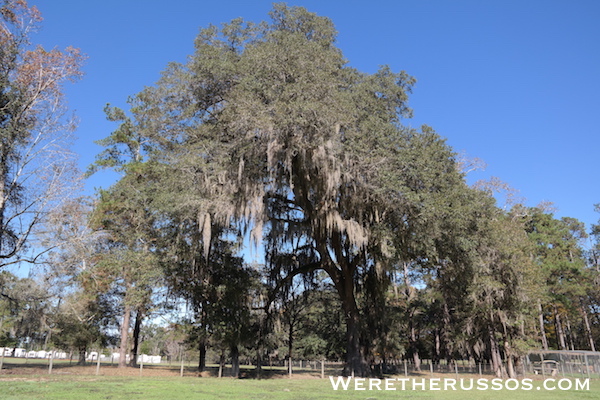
[268,126]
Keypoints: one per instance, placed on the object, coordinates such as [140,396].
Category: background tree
[595,232]
[84,313]
[81,321]
[558,253]
[126,214]
[130,269]
[217,290]
[36,168]
[26,312]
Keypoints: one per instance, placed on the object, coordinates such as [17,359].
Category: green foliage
[562,269]
[25,309]
[266,133]
[80,323]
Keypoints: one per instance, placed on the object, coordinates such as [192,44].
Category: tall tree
[36,167]
[271,128]
[558,253]
[130,266]
[125,212]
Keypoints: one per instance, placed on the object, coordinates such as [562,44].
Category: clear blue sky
[513,82]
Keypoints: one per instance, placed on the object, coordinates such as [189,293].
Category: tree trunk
[542,329]
[569,332]
[413,335]
[510,364]
[436,346]
[560,335]
[342,271]
[355,361]
[235,361]
[221,363]
[413,346]
[509,357]
[259,343]
[588,329]
[202,356]
[290,343]
[81,360]
[124,335]
[508,353]
[496,358]
[3,193]
[258,362]
[395,285]
[444,332]
[137,327]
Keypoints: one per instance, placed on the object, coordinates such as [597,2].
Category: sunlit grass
[43,386]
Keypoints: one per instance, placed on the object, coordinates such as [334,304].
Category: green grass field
[91,387]
[23,382]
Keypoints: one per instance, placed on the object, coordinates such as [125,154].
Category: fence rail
[543,363]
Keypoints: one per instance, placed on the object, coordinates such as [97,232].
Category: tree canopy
[268,128]
[267,139]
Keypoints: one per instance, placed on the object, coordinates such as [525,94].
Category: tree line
[267,144]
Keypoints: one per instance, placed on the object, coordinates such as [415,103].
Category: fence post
[98,364]
[51,360]
[141,364]
[431,368]
[181,370]
[290,367]
[456,369]
[405,368]
[2,360]
[543,370]
[322,369]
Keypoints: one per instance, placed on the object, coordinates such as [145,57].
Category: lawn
[21,387]
[25,381]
